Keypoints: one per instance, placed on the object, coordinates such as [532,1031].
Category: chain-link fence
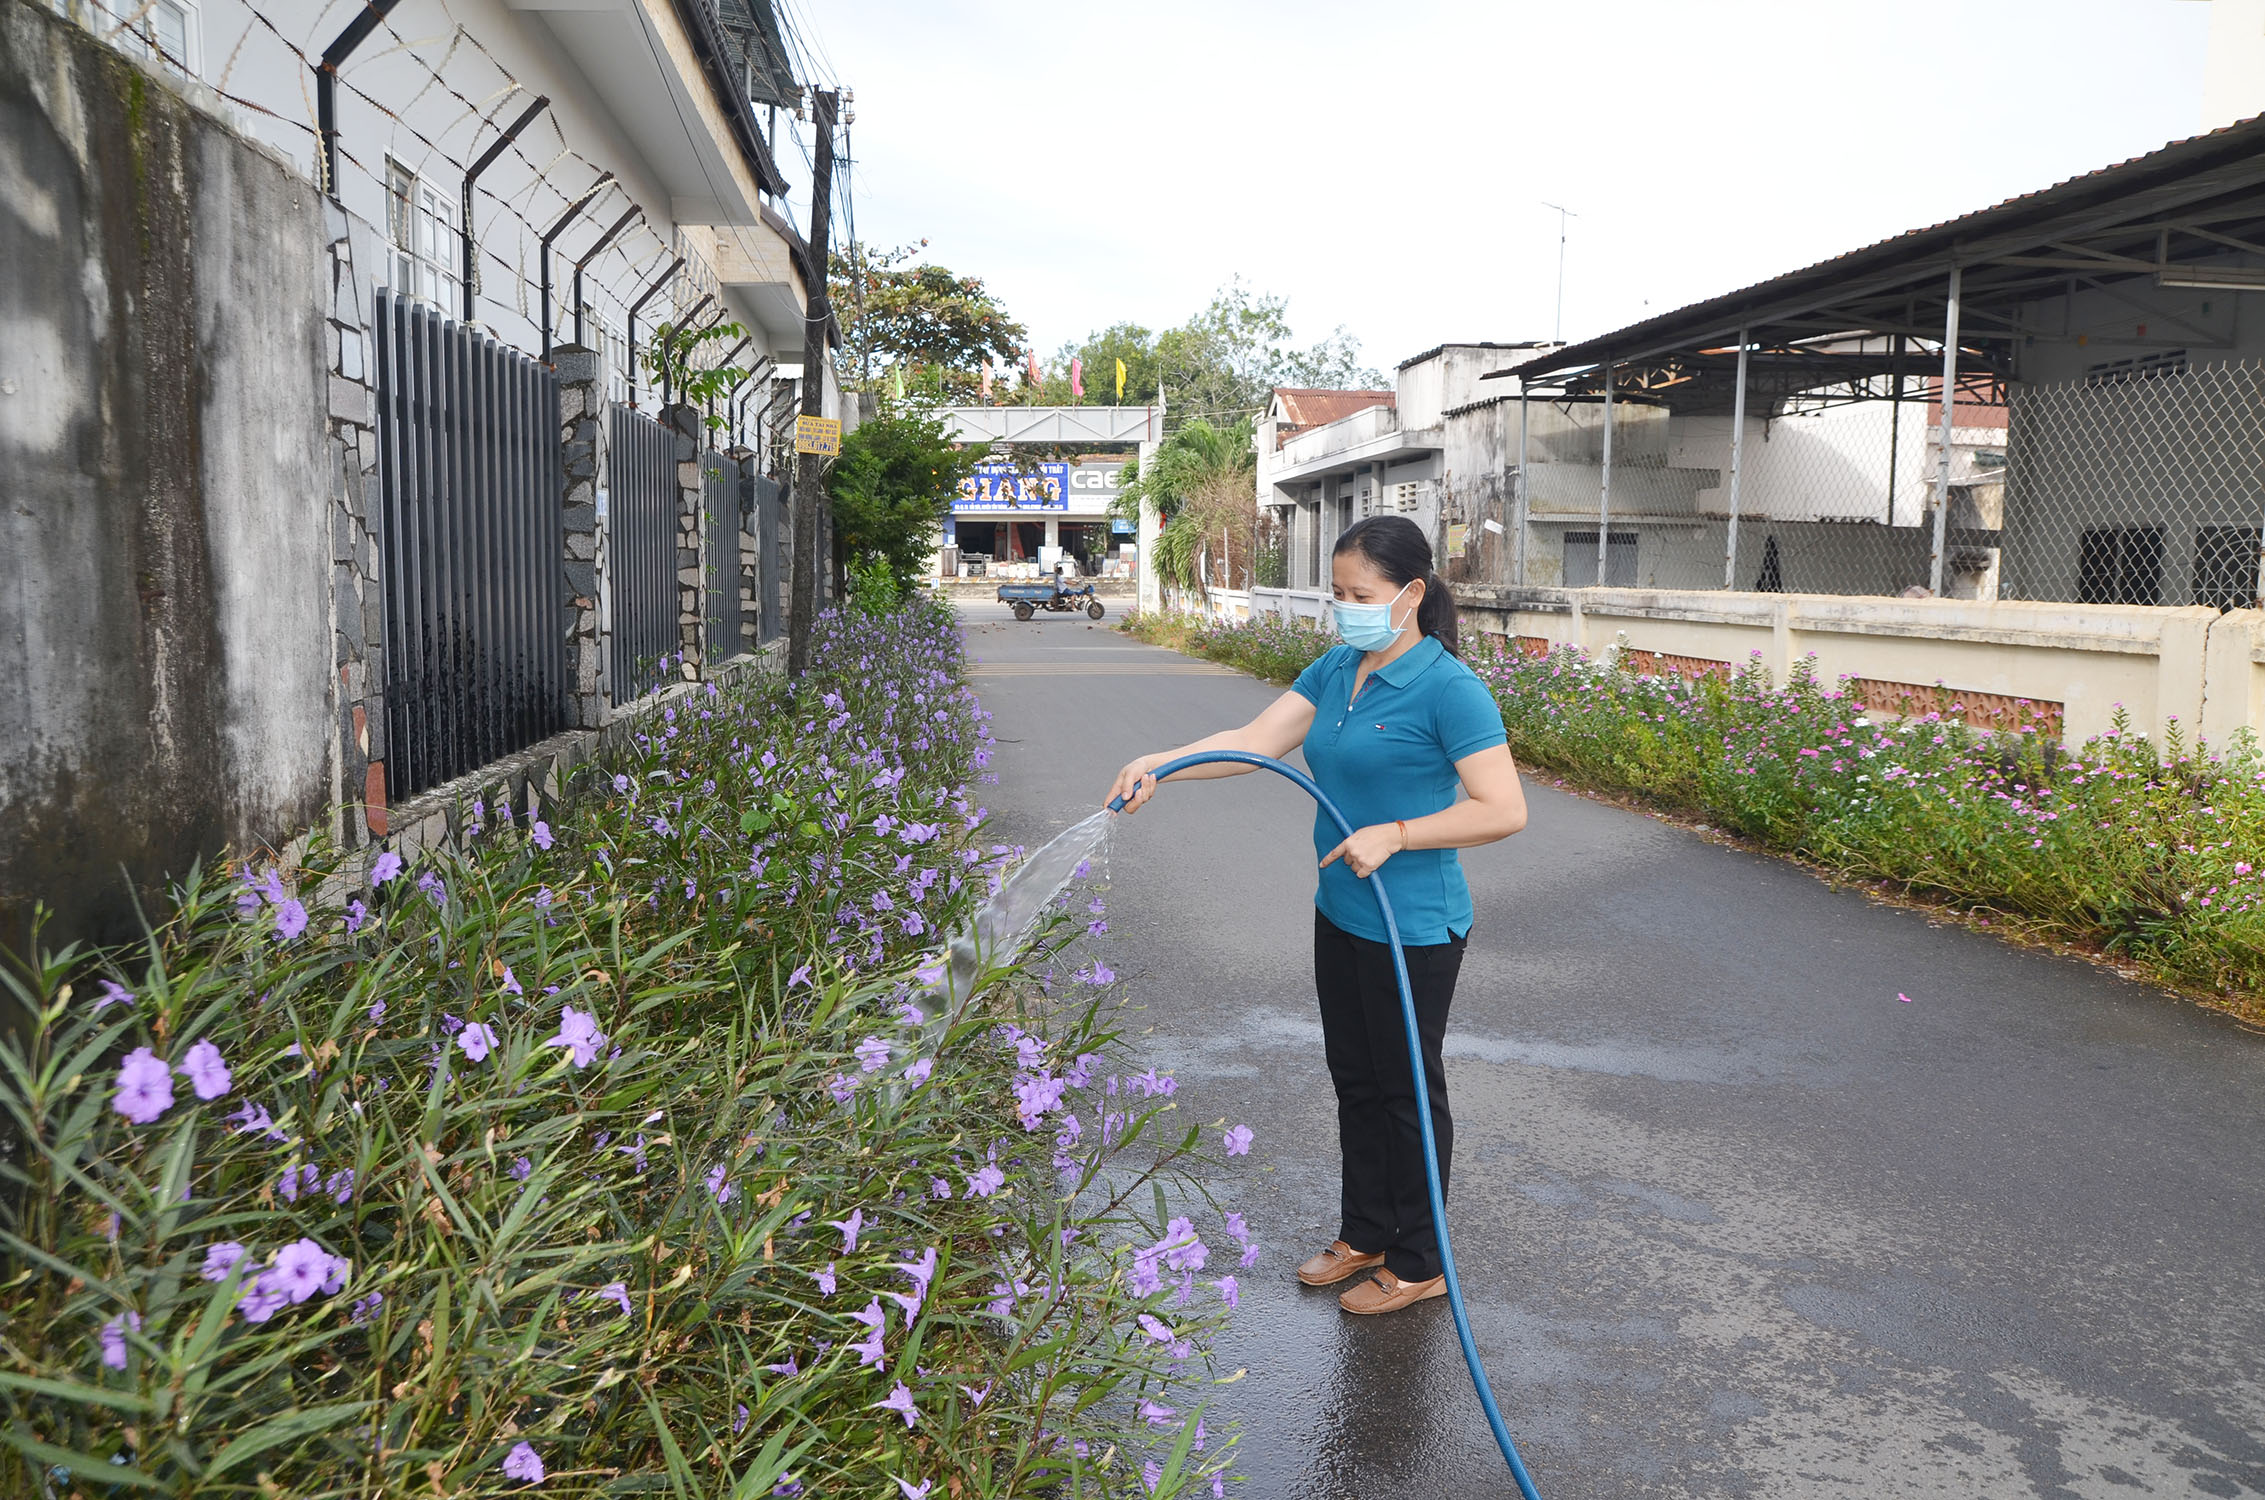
[2138,484]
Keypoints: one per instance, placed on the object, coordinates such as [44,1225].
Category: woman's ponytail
[1396,547]
[1436,616]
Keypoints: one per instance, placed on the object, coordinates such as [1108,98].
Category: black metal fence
[641,536]
[767,517]
[719,517]
[474,547]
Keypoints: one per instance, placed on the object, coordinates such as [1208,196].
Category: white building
[552,171]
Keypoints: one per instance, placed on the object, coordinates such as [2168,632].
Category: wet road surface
[1733,1220]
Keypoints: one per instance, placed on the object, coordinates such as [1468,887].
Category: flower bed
[630,1151]
[2152,851]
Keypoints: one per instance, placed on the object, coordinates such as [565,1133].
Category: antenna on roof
[1563,214]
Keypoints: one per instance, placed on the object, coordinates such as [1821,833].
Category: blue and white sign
[1006,487]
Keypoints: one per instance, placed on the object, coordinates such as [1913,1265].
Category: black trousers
[1387,1206]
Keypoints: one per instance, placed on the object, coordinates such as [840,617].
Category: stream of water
[1002,928]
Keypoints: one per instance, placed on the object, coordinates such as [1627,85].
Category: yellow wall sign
[819,435]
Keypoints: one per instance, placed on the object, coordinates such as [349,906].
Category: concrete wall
[2188,667]
[165,639]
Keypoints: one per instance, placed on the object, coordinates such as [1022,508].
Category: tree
[919,327]
[891,488]
[1201,483]
[1219,366]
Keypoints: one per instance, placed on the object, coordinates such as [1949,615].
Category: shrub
[631,1149]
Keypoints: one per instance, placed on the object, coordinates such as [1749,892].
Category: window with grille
[2225,566]
[2120,565]
[421,220]
[1580,565]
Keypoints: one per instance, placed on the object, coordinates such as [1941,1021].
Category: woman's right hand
[1134,784]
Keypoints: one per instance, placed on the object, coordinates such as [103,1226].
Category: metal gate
[768,513]
[474,547]
[641,521]
[719,516]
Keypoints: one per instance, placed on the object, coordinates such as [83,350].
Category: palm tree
[1201,482]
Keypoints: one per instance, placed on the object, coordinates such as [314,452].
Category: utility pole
[1562,215]
[809,468]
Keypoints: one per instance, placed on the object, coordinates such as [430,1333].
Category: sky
[1386,166]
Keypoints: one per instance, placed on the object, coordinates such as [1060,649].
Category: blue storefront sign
[1005,487]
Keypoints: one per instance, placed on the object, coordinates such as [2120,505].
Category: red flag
[986,380]
[1034,376]
[1077,379]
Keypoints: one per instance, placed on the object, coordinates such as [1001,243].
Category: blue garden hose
[1502,1436]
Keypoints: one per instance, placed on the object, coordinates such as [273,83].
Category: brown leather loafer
[1385,1292]
[1336,1263]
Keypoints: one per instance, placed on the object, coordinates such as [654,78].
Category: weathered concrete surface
[1733,1219]
[164,635]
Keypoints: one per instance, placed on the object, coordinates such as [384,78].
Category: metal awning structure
[2191,215]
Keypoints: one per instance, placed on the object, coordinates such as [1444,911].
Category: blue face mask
[1368,627]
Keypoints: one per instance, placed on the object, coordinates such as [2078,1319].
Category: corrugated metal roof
[2220,160]
[1312,408]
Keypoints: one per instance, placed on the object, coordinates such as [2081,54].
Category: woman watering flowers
[1392,724]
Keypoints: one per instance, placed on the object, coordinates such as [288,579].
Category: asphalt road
[1733,1219]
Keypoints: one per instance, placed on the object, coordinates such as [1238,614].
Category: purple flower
[113,993]
[1156,1413]
[1238,1141]
[977,1395]
[145,1087]
[790,1369]
[290,920]
[523,1463]
[986,1181]
[300,1270]
[340,1185]
[1230,1292]
[261,1300]
[387,866]
[578,1033]
[939,1188]
[615,1291]
[620,783]
[522,1168]
[356,914]
[296,1180]
[872,1055]
[869,1349]
[842,1086]
[1250,1257]
[738,1420]
[511,982]
[220,1259]
[366,1308]
[910,1491]
[920,1272]
[433,887]
[477,1040]
[254,1118]
[849,1228]
[1237,1228]
[900,1399]
[114,1339]
[825,1280]
[206,1071]
[541,834]
[718,1188]
[1144,1280]
[917,1074]
[799,976]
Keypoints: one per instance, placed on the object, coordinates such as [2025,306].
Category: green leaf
[92,1470]
[289,1427]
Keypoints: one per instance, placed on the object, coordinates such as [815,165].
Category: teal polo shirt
[1391,754]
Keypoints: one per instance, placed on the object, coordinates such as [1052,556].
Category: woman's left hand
[1367,849]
